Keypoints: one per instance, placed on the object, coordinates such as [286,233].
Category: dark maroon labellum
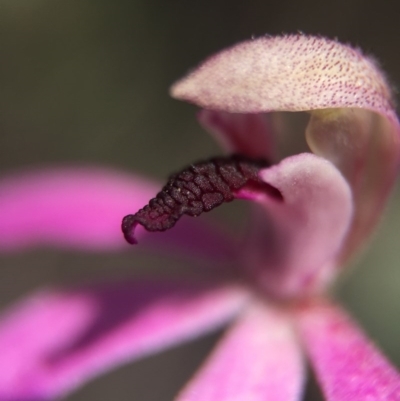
[196,189]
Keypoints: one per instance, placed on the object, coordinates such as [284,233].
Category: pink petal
[55,341]
[258,360]
[84,207]
[249,134]
[353,122]
[79,207]
[291,250]
[348,366]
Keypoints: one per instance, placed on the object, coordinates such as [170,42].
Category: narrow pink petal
[288,73]
[53,342]
[258,360]
[79,207]
[348,366]
[83,208]
[293,243]
[249,134]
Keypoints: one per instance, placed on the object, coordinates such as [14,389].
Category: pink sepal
[287,73]
[347,364]
[257,360]
[55,341]
[71,207]
[83,208]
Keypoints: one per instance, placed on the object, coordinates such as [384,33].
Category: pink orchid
[274,287]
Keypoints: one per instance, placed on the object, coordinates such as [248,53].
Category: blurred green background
[87,82]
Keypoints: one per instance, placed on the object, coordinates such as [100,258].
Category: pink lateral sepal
[258,359]
[81,208]
[348,366]
[54,341]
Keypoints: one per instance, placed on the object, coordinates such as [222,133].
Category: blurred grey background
[87,82]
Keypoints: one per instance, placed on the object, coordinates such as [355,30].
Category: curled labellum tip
[196,189]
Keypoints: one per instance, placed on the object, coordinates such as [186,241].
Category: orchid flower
[311,213]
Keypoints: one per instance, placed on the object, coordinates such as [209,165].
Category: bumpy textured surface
[292,73]
[196,189]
